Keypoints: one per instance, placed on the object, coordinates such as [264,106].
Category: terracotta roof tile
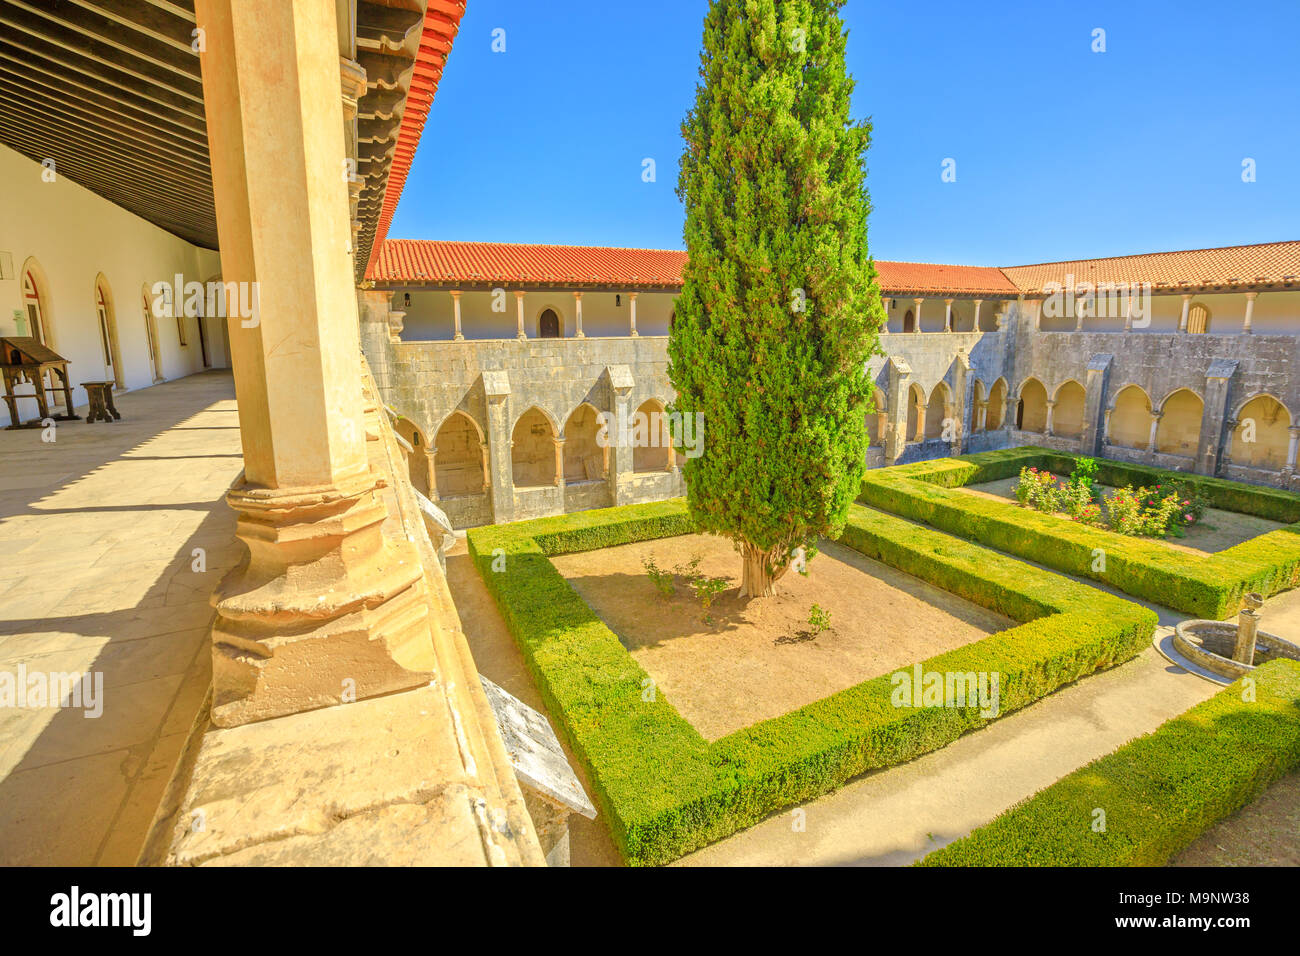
[445,263]
[1269,263]
[929,278]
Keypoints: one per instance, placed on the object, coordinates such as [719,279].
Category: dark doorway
[203,342]
[549,325]
[909,322]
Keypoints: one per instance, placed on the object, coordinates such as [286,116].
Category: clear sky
[1060,152]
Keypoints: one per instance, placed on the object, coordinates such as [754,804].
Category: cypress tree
[779,308]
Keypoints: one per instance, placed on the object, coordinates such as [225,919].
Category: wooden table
[100,395]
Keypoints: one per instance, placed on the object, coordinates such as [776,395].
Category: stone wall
[967,385]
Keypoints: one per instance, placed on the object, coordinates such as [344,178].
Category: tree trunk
[758,579]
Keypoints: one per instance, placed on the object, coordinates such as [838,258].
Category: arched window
[1067,416]
[584,459]
[652,442]
[33,306]
[1130,419]
[937,412]
[997,406]
[1262,434]
[458,458]
[1031,416]
[877,417]
[1198,318]
[532,450]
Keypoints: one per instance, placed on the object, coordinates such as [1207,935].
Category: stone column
[917,303]
[1187,305]
[1128,311]
[577,316]
[1105,426]
[1051,411]
[519,315]
[896,389]
[978,303]
[323,608]
[617,437]
[631,300]
[455,304]
[1292,447]
[1225,453]
[920,423]
[1214,413]
[1155,425]
[430,461]
[559,463]
[947,315]
[496,388]
[982,415]
[1009,417]
[1250,312]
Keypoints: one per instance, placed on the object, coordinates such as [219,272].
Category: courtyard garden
[688,719]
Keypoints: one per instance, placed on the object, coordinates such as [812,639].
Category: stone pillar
[1218,385]
[1187,305]
[631,300]
[496,388]
[917,303]
[978,303]
[896,389]
[455,305]
[1051,411]
[617,437]
[1225,452]
[577,316]
[1250,312]
[1155,426]
[1013,406]
[1128,312]
[430,462]
[1095,417]
[1292,447]
[920,423]
[982,415]
[323,608]
[947,315]
[519,316]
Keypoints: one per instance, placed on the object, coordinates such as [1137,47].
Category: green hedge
[1203,586]
[1159,792]
[664,790]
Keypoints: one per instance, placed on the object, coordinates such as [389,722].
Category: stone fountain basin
[1211,643]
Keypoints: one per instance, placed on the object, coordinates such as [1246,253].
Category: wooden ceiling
[111,91]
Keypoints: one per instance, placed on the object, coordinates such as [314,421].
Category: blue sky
[1060,152]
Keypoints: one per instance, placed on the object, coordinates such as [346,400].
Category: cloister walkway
[112,538]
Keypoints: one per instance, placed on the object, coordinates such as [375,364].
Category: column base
[323,610]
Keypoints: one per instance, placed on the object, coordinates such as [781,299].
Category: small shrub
[707,590]
[819,619]
[1085,475]
[661,579]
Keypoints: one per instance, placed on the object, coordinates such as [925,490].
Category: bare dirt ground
[1264,833]
[1216,531]
[759,659]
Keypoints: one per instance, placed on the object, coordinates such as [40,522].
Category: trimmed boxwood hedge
[1159,792]
[662,788]
[1209,587]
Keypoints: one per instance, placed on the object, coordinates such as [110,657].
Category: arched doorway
[909,321]
[151,336]
[108,333]
[548,325]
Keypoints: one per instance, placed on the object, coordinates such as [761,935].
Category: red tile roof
[449,264]
[435,262]
[441,23]
[929,278]
[1269,263]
